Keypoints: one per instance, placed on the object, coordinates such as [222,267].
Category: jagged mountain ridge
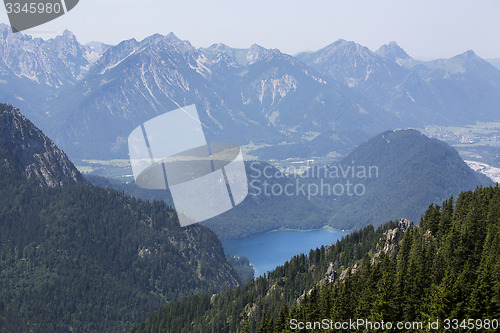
[352,64]
[54,62]
[392,51]
[32,155]
[340,95]
[33,71]
[240,101]
[462,89]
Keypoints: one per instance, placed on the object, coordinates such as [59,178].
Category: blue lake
[266,251]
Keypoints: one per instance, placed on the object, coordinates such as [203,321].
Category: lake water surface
[266,251]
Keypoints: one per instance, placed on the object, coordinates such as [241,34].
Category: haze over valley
[372,187]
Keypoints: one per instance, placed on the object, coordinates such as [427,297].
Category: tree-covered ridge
[94,260]
[75,257]
[245,306]
[399,173]
[413,172]
[84,258]
[446,267]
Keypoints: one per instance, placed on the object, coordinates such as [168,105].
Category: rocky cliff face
[390,240]
[54,63]
[32,155]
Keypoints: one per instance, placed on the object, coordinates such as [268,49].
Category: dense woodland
[446,267]
[87,259]
[235,308]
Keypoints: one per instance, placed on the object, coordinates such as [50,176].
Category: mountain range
[80,257]
[88,98]
[417,93]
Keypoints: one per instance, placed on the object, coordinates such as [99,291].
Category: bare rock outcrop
[31,154]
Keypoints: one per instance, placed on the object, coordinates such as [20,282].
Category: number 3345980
[33,8]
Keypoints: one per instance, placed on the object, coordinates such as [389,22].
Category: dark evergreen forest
[87,259]
[448,266]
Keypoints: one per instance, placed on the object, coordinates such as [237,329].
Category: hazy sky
[424,28]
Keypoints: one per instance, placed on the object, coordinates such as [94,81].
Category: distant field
[488,170]
[117,168]
[84,169]
[108,162]
[478,144]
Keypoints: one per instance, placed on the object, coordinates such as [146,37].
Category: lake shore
[268,250]
[325,227]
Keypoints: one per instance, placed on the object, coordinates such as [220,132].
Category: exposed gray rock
[331,275]
[390,239]
[31,153]
[344,273]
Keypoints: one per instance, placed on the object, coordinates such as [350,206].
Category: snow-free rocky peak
[392,51]
[29,154]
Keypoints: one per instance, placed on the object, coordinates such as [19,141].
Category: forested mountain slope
[413,172]
[446,267]
[87,259]
[398,174]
